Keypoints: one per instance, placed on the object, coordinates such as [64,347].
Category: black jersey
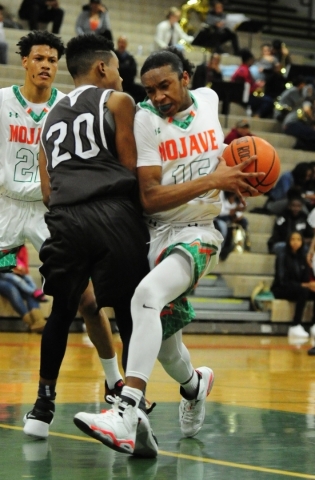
[79,141]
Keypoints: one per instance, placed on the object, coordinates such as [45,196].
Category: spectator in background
[21,277]
[94,18]
[274,86]
[44,11]
[229,221]
[19,288]
[293,219]
[244,75]
[216,18]
[169,32]
[297,178]
[300,123]
[3,43]
[7,19]
[208,72]
[290,99]
[310,186]
[267,62]
[294,282]
[241,129]
[128,70]
[281,52]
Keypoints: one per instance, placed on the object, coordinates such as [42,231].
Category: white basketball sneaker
[123,428]
[192,412]
[297,331]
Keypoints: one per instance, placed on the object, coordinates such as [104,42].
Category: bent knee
[144,294]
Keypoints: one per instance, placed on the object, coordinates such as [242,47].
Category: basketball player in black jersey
[87,166]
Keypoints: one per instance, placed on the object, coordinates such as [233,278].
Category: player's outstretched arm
[156,197]
[122,107]
[44,177]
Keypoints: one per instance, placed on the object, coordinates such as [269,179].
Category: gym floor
[260,416]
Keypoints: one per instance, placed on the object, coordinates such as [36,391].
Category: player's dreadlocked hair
[82,51]
[39,37]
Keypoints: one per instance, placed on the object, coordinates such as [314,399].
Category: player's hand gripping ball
[267,161]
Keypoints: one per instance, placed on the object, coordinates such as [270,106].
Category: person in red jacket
[243,74]
[241,129]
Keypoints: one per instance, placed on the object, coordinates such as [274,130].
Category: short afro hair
[39,37]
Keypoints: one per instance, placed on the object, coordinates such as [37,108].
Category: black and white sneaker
[114,392]
[37,421]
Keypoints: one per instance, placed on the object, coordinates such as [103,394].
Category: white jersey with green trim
[186,147]
[20,128]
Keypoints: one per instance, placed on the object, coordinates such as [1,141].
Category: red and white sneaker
[116,428]
[192,412]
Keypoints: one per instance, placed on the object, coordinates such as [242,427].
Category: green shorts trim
[180,312]
[8,260]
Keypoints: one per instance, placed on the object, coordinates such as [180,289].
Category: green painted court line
[222,463]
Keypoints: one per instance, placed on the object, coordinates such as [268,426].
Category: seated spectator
[274,86]
[169,33]
[230,218]
[267,62]
[241,129]
[3,43]
[208,72]
[300,123]
[293,219]
[24,304]
[290,99]
[281,52]
[21,277]
[128,70]
[44,11]
[20,290]
[94,18]
[216,18]
[244,75]
[297,178]
[8,21]
[294,281]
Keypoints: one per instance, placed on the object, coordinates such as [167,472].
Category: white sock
[134,393]
[112,373]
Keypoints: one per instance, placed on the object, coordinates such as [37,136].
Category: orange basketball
[267,161]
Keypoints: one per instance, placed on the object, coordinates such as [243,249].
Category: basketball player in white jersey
[22,114]
[181,173]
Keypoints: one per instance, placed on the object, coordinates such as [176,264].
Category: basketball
[267,161]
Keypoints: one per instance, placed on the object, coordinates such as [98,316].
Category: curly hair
[83,50]
[39,37]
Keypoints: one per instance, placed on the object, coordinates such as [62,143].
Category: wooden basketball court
[260,417]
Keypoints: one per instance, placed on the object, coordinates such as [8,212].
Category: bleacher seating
[238,275]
